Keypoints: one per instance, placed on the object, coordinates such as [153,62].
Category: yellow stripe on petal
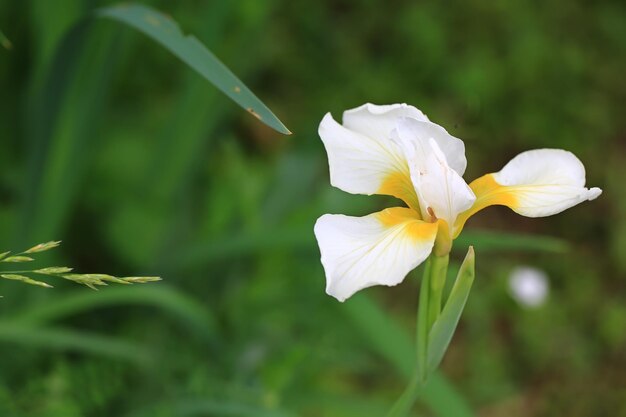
[415,228]
[488,193]
[399,185]
[536,183]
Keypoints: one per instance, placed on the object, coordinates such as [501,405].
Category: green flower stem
[422,329]
[439,270]
[428,310]
[403,405]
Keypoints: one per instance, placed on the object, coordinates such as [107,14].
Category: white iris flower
[396,150]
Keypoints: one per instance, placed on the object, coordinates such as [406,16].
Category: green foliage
[141,166]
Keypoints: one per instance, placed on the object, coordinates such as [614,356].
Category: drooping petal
[441,191]
[535,183]
[414,135]
[378,249]
[366,163]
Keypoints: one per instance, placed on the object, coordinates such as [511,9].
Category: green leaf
[185,309]
[64,339]
[485,240]
[163,30]
[442,331]
[4,255]
[6,43]
[65,108]
[392,342]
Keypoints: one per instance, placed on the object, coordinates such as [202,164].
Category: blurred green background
[142,167]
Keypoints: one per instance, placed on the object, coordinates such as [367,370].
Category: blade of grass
[69,340]
[165,31]
[167,299]
[64,121]
[486,240]
[243,244]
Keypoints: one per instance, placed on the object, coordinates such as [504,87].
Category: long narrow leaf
[163,30]
[443,329]
[166,299]
[63,123]
[65,339]
[488,240]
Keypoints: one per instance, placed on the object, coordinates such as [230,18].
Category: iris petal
[377,249]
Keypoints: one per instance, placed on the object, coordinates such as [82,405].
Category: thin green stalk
[422,329]
[403,405]
[428,311]
[439,270]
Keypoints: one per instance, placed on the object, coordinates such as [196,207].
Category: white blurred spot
[529,286]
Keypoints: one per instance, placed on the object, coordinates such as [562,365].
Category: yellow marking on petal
[414,226]
[488,193]
[399,185]
[486,187]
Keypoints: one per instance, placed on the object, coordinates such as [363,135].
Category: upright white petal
[440,189]
[378,249]
[378,121]
[535,183]
[366,163]
[414,136]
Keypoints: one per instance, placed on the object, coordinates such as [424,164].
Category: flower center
[433,217]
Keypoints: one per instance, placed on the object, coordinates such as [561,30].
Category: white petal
[378,121]
[544,182]
[363,164]
[440,188]
[378,249]
[535,183]
[414,136]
